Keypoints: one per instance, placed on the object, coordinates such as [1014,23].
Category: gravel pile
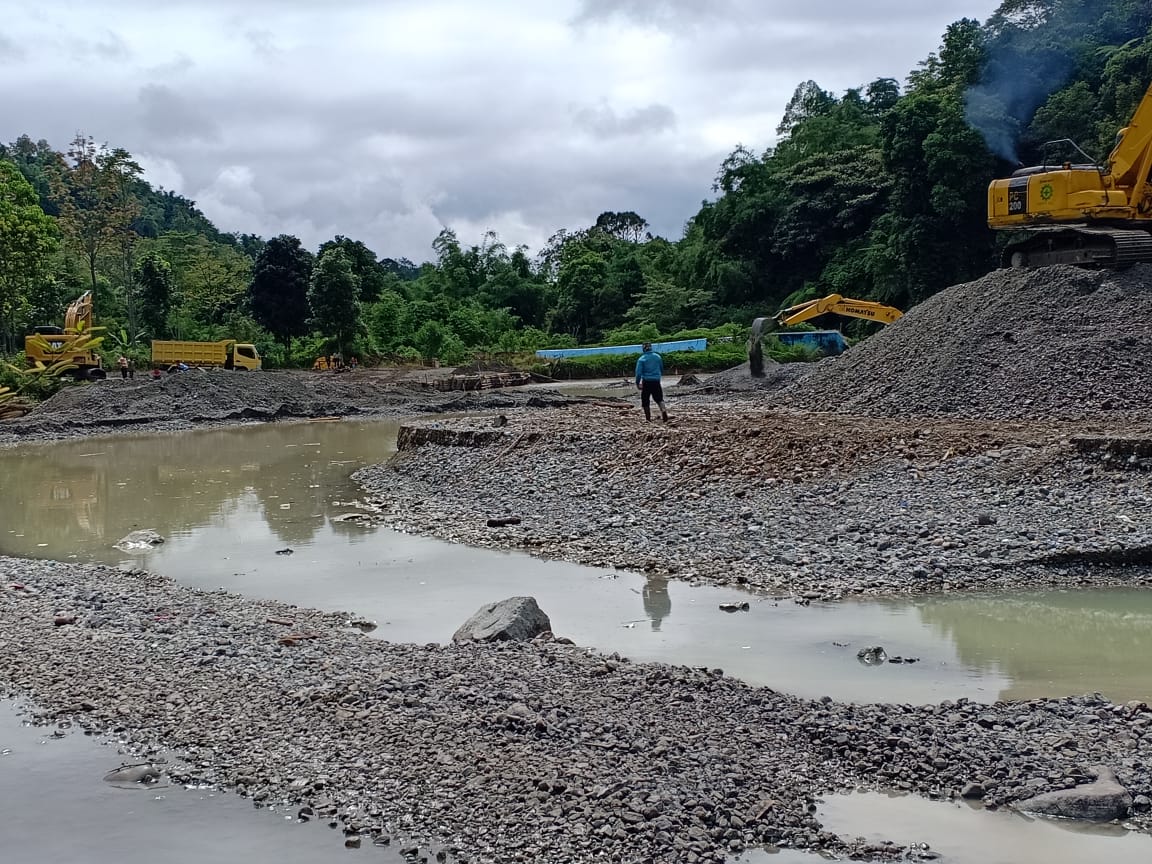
[536,751]
[1055,342]
[788,504]
[739,379]
[216,396]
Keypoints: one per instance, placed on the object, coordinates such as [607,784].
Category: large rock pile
[1055,342]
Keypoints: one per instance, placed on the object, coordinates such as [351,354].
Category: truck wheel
[96,375]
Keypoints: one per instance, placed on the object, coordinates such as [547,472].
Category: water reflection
[227,499]
[1052,641]
[965,833]
[657,602]
[84,495]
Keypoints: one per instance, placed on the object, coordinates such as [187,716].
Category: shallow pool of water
[229,499]
[962,833]
[58,809]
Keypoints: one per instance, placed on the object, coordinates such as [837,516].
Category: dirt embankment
[801,505]
[203,397]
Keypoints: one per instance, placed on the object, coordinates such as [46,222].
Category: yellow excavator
[1082,214]
[833,304]
[51,344]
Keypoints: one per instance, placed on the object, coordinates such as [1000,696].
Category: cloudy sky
[386,120]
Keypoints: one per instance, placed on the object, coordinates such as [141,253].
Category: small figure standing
[649,371]
[122,362]
[132,370]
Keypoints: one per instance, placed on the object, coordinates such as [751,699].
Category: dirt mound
[739,379]
[1057,342]
[202,396]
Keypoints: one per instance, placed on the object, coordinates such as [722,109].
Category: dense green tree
[28,240]
[334,298]
[278,294]
[370,274]
[157,287]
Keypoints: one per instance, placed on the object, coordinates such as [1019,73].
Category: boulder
[1100,801]
[133,774]
[517,619]
[144,539]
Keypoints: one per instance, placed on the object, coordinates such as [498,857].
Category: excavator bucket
[756,347]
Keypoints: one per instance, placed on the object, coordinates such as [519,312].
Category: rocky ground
[1016,344]
[537,751]
[215,397]
[791,504]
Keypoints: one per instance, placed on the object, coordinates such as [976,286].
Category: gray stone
[972,791]
[145,538]
[517,619]
[1099,801]
[133,774]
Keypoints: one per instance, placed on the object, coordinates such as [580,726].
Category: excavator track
[1082,247]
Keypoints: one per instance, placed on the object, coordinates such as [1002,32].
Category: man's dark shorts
[651,390]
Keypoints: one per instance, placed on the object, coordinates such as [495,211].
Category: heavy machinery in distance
[833,304]
[225,354]
[1082,214]
[72,343]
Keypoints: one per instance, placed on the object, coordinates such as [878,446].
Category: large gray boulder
[1100,801]
[516,619]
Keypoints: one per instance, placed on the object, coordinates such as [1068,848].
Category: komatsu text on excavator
[1082,214]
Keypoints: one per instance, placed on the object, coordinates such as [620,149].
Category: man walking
[649,371]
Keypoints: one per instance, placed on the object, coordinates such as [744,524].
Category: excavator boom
[833,304]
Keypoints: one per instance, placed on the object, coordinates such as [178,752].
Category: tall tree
[92,188]
[28,241]
[279,290]
[334,297]
[369,272]
[154,276]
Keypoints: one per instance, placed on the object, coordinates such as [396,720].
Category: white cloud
[387,121]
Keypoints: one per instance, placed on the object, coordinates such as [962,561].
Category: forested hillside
[878,192]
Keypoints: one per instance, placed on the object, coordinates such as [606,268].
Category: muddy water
[229,499]
[58,809]
[965,834]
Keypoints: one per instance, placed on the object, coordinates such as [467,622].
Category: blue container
[662,347]
[828,342]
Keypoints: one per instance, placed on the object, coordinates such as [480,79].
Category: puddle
[965,834]
[228,499]
[74,817]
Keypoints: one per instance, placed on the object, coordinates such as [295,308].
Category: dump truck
[1084,214]
[225,354]
[73,343]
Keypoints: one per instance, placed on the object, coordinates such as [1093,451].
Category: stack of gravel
[1055,342]
[218,396]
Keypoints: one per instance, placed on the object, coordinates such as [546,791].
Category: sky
[388,120]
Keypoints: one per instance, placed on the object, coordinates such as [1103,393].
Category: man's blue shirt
[649,367]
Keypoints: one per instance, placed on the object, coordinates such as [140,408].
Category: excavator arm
[1131,160]
[833,304]
[79,314]
[837,305]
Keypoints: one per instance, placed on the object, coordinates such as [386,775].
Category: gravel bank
[1054,342]
[808,506]
[535,752]
[207,398]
